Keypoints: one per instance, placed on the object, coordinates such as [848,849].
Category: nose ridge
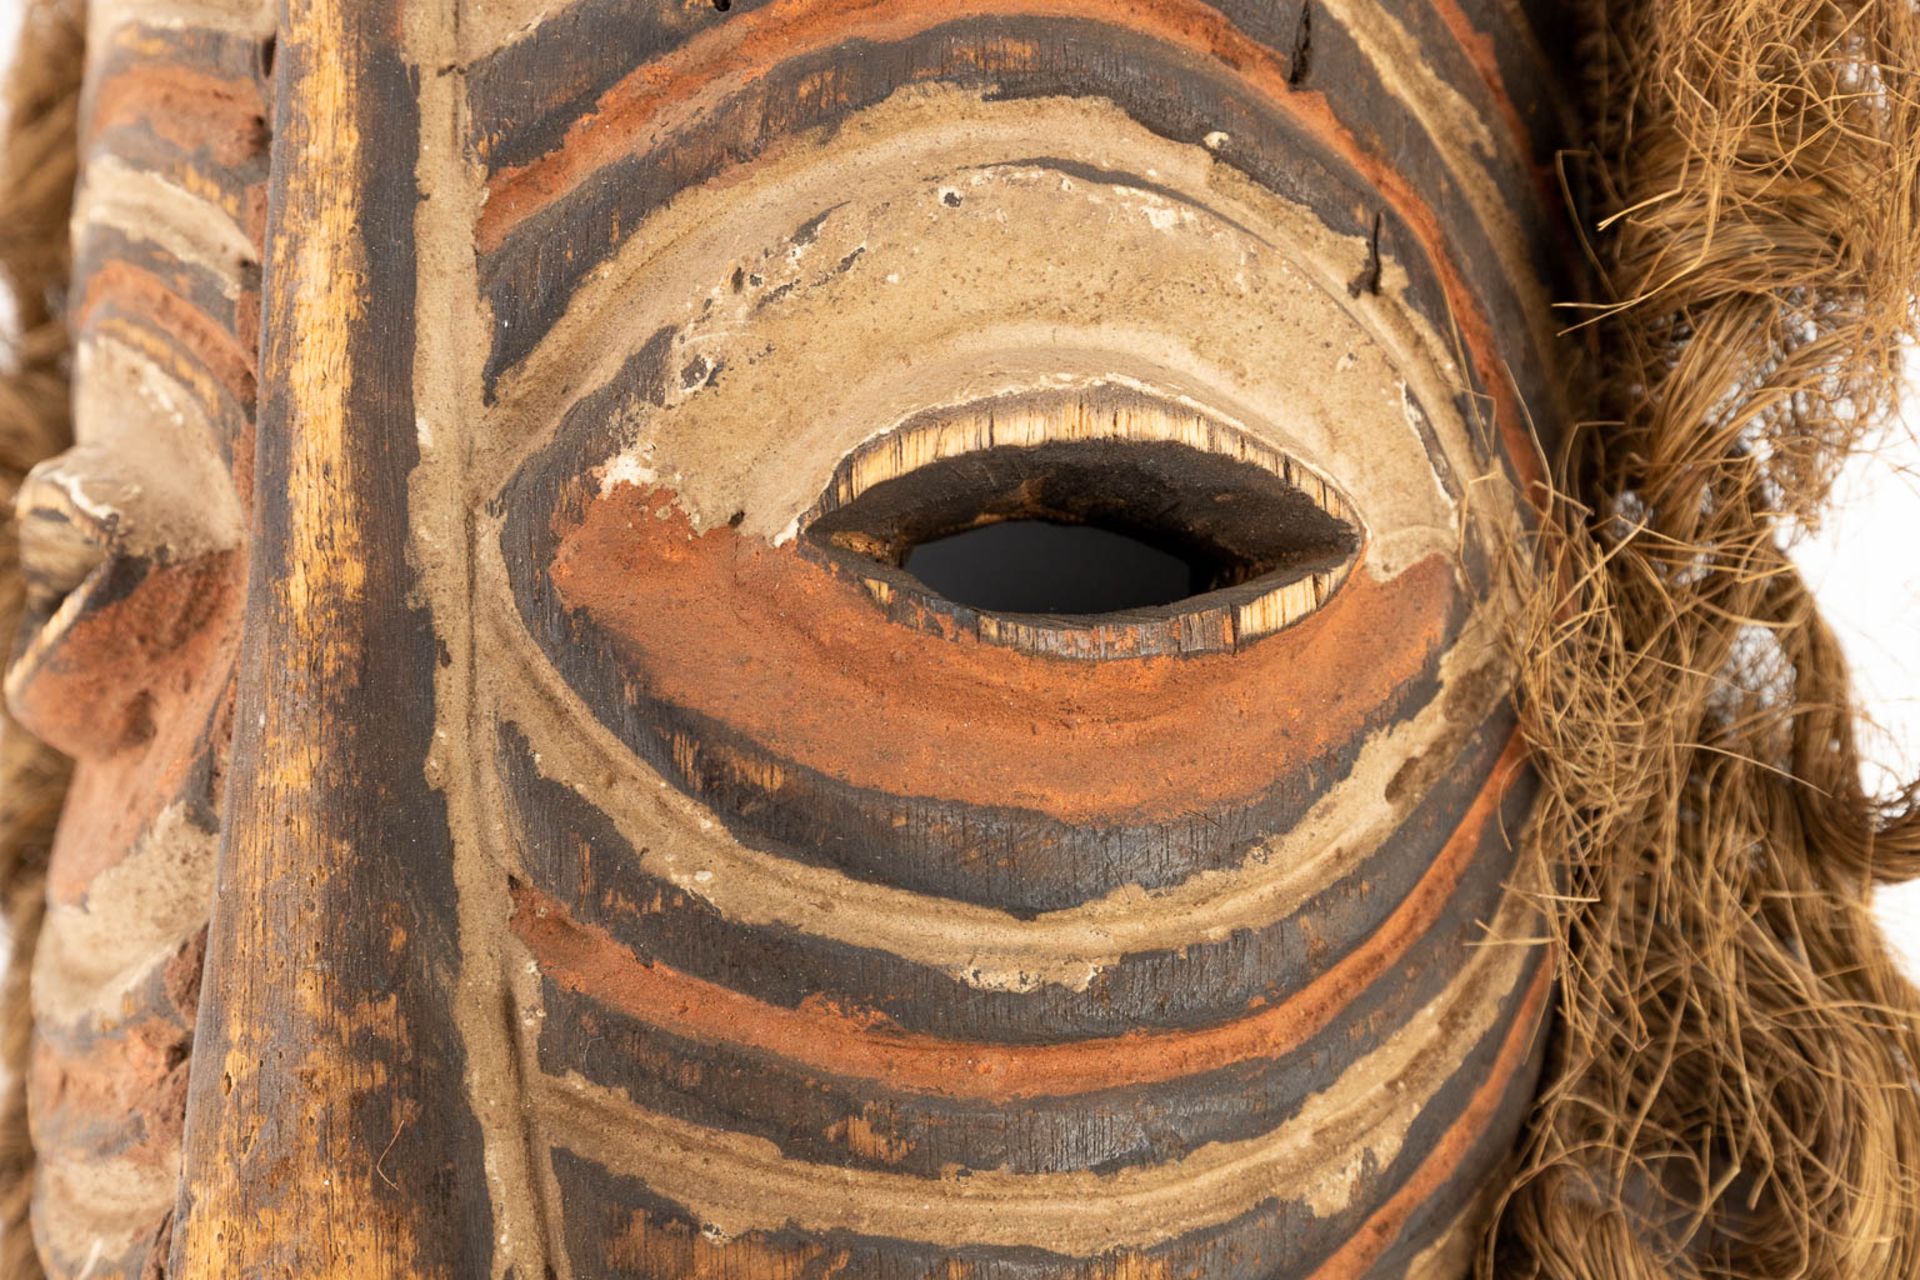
[328,1125]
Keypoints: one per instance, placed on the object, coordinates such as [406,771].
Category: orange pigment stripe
[116,1093]
[1478,47]
[1379,1232]
[189,108]
[148,296]
[78,695]
[585,959]
[746,47]
[701,614]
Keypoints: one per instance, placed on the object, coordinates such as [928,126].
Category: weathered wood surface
[328,1130]
[620,875]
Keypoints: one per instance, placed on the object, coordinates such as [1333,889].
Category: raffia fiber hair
[38,159]
[1732,1086]
[1731,1090]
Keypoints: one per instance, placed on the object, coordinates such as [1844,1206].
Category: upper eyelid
[1022,420]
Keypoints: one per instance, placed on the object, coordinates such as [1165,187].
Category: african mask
[536,812]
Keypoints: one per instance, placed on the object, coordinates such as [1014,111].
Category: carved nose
[328,1128]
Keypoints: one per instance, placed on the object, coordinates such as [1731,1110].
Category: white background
[1865,567]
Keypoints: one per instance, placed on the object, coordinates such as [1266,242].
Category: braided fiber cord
[1731,1089]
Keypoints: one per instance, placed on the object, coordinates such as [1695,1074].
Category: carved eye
[63,542]
[1117,525]
[128,552]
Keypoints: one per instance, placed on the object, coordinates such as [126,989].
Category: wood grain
[326,1134]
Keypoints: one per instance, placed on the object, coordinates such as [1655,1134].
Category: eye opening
[1106,526]
[1063,568]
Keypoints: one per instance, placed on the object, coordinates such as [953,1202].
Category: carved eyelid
[1285,537]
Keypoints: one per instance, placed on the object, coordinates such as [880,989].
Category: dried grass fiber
[1732,1087]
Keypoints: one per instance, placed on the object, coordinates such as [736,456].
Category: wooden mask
[534,819]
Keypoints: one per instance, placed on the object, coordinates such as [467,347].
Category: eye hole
[1094,527]
[1039,566]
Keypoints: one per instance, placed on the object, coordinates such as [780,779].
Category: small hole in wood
[722,6]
